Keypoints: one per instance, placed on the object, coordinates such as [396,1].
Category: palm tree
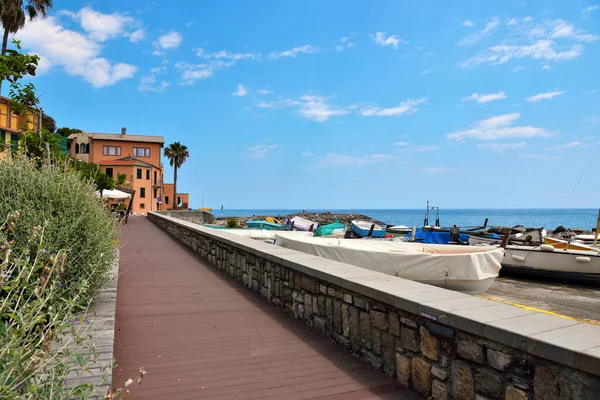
[177,154]
[13,15]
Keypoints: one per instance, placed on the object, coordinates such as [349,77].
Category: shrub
[75,220]
[232,223]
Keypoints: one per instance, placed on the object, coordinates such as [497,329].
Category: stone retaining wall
[391,323]
[193,216]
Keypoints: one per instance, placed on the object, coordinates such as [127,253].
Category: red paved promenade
[201,335]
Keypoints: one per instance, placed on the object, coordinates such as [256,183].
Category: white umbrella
[114,194]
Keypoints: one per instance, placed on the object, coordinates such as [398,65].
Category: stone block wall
[193,216]
[432,359]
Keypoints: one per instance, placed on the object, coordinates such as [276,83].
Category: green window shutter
[2,136]
[14,142]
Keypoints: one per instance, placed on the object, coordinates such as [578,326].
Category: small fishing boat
[565,244]
[265,224]
[303,224]
[333,229]
[399,229]
[548,261]
[364,229]
[436,235]
[467,269]
[488,240]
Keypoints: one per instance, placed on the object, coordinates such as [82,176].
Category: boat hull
[302,224]
[363,228]
[256,224]
[466,269]
[480,240]
[564,264]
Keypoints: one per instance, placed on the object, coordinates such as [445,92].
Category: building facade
[11,125]
[138,157]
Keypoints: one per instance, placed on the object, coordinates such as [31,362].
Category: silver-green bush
[74,219]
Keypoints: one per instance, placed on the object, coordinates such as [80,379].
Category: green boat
[336,228]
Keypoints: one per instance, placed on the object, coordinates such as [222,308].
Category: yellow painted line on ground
[523,306]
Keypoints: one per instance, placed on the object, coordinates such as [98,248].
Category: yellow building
[11,125]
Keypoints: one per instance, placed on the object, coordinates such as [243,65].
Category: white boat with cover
[303,224]
[467,269]
[547,260]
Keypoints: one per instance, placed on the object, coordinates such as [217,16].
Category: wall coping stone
[567,342]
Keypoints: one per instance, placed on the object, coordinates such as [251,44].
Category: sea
[531,218]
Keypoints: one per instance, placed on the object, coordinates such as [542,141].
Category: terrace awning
[114,194]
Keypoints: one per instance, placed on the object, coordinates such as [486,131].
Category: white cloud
[590,8]
[439,170]
[477,36]
[192,72]
[518,68]
[264,91]
[317,109]
[307,154]
[241,91]
[261,151]
[401,144]
[224,54]
[101,27]
[484,98]
[392,40]
[406,148]
[137,35]
[75,53]
[592,120]
[150,82]
[501,147]
[345,44]
[544,96]
[468,23]
[546,67]
[499,127]
[546,41]
[168,41]
[406,107]
[566,146]
[340,160]
[306,49]
[426,71]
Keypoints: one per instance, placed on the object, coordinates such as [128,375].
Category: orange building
[138,157]
[11,125]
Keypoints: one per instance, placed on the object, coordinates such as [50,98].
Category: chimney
[123,131]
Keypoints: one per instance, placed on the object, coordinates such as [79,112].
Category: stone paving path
[201,335]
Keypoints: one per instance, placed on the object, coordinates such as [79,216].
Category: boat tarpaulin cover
[414,261]
[303,224]
[437,237]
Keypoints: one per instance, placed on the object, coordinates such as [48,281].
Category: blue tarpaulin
[437,237]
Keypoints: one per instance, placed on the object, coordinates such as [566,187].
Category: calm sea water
[547,218]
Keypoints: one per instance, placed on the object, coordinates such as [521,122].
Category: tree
[13,15]
[64,131]
[177,154]
[93,172]
[48,123]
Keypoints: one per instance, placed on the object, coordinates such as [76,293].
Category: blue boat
[270,226]
[434,236]
[365,229]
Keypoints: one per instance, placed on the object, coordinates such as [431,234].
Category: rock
[337,316]
[403,368]
[430,345]
[394,324]
[462,381]
[308,284]
[514,393]
[365,330]
[308,306]
[320,305]
[375,361]
[439,390]
[409,322]
[520,383]
[297,281]
[421,376]
[470,350]
[331,292]
[354,329]
[379,320]
[322,289]
[319,325]
[346,320]
[388,351]
[439,373]
[358,302]
[348,298]
[445,362]
[376,340]
[329,313]
[499,360]
[408,339]
[488,382]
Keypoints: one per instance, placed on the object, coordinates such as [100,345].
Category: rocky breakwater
[323,218]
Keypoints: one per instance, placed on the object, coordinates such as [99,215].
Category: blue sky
[337,104]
